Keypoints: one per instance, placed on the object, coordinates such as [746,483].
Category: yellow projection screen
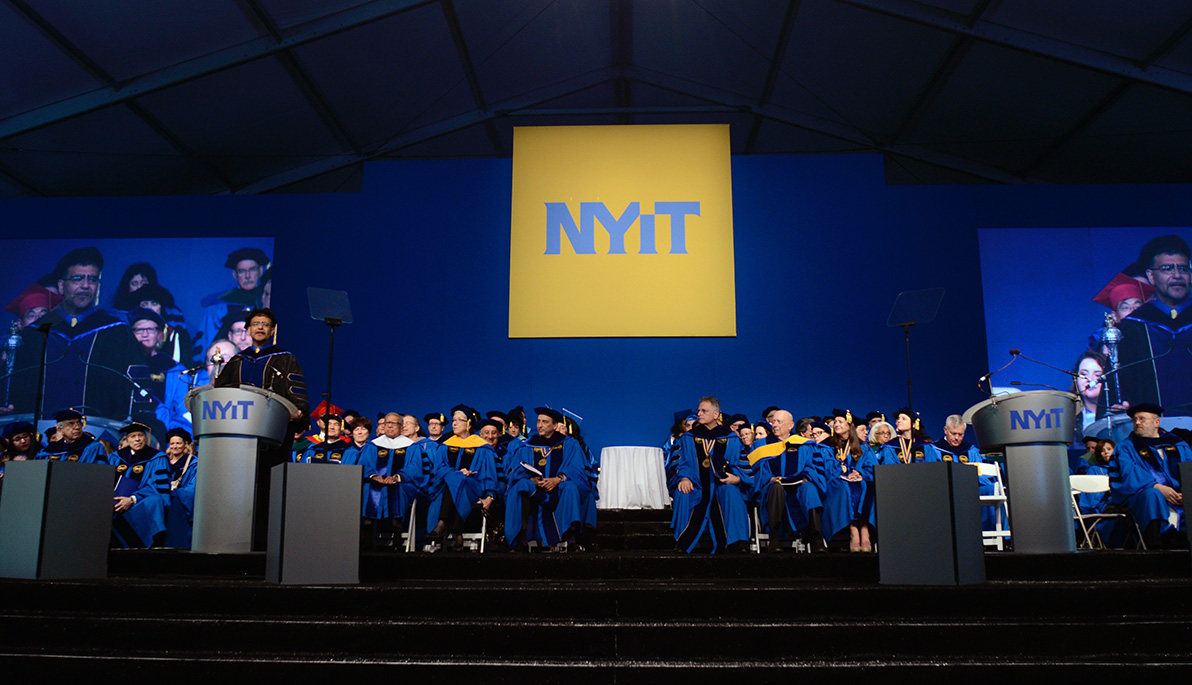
[621,231]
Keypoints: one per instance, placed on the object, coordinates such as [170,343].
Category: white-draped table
[632,478]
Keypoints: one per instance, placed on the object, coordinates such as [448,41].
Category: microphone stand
[41,382]
[1111,335]
[331,324]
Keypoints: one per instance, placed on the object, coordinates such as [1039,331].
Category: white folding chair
[412,519]
[1001,531]
[755,522]
[758,537]
[475,541]
[1085,484]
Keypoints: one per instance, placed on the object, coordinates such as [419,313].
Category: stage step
[635,529]
[566,625]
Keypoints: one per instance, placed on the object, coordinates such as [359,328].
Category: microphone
[1018,353]
[987,376]
[194,369]
[1035,385]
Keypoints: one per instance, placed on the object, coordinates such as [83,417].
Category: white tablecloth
[632,478]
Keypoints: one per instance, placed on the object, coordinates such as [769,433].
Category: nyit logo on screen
[583,236]
[621,231]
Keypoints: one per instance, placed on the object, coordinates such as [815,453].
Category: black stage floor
[615,616]
[630,613]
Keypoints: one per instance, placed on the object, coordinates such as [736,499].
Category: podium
[231,423]
[1034,429]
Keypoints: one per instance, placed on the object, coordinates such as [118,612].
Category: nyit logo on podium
[621,231]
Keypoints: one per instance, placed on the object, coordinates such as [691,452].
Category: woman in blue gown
[848,481]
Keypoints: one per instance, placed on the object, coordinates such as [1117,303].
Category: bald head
[783,423]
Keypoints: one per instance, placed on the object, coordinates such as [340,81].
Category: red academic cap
[322,409]
[33,296]
[1123,287]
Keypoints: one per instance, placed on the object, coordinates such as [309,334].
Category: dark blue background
[823,247]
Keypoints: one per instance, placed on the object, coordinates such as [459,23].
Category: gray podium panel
[929,520]
[314,524]
[224,492]
[56,519]
[1040,499]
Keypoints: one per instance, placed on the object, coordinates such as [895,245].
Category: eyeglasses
[246,272]
[145,330]
[260,324]
[1168,268]
[79,278]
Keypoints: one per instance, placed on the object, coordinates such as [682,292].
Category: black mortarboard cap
[244,253]
[134,427]
[153,292]
[1146,407]
[555,416]
[140,313]
[179,432]
[17,428]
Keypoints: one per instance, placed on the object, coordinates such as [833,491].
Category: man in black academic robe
[1155,354]
[264,365]
[88,351]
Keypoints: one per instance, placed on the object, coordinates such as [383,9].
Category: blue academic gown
[1139,465]
[791,460]
[385,501]
[555,515]
[172,411]
[592,470]
[85,450]
[180,512]
[216,307]
[450,456]
[422,457]
[141,525]
[898,452]
[847,501]
[1092,502]
[704,456]
[965,453]
[326,452]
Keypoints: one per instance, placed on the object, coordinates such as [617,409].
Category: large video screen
[121,320]
[1048,292]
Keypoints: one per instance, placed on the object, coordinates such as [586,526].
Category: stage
[618,615]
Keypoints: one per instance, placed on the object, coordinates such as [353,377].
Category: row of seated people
[810,479]
[540,489]
[1144,481]
[153,493]
[544,485]
[830,469]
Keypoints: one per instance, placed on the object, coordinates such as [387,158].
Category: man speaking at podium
[265,365]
